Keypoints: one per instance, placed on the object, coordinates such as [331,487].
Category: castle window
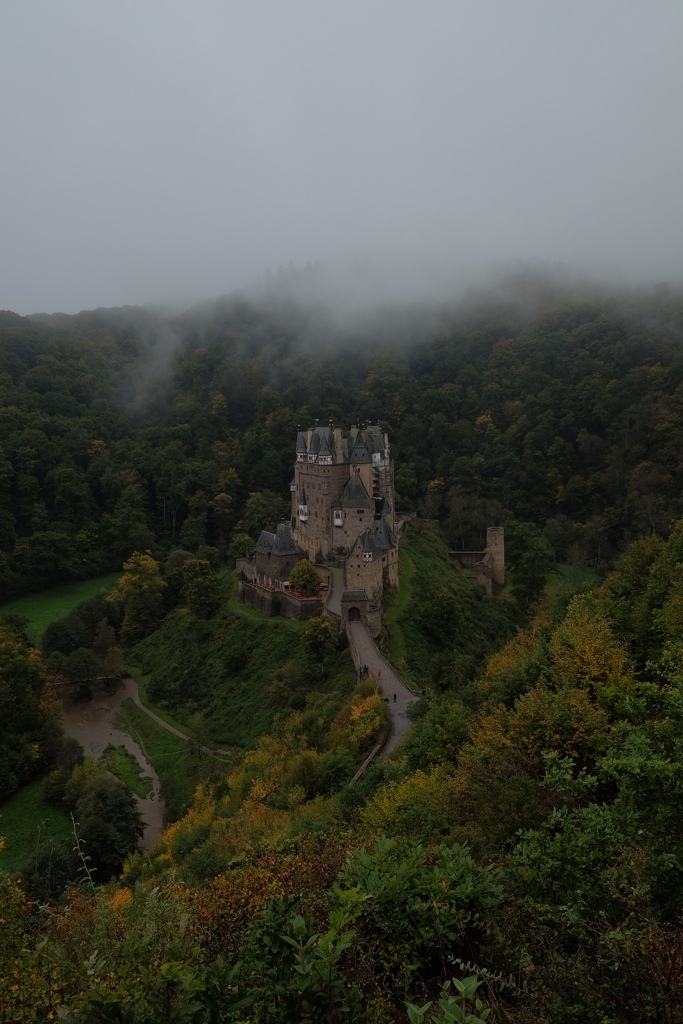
[359,511]
[338,517]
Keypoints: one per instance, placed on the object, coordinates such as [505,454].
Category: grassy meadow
[26,820]
[50,605]
[124,766]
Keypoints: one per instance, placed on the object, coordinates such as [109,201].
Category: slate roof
[319,436]
[325,447]
[374,438]
[354,595]
[278,543]
[357,448]
[360,451]
[354,494]
[383,535]
[369,545]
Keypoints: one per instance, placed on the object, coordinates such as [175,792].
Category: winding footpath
[364,651]
[93,722]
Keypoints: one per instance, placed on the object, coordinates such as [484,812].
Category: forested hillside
[528,834]
[122,430]
[518,857]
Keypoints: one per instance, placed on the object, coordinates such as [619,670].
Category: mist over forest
[235,786]
[539,399]
[411,152]
[522,837]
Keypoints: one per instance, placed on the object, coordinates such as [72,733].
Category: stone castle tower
[343,505]
[343,515]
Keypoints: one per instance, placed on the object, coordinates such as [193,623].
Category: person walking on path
[390,684]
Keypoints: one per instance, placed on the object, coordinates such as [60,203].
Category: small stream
[93,723]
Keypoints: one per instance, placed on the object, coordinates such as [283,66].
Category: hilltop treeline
[122,430]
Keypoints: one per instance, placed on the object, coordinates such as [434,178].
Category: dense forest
[122,431]
[518,856]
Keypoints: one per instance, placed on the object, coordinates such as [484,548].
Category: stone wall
[354,522]
[265,601]
[362,575]
[390,563]
[489,563]
[246,567]
[370,615]
[293,608]
[273,567]
[468,559]
[322,485]
[279,602]
[485,573]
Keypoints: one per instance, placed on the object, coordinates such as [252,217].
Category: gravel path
[365,652]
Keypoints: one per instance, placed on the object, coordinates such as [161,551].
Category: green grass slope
[56,603]
[26,821]
[238,670]
[440,625]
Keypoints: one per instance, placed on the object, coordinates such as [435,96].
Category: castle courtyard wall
[267,602]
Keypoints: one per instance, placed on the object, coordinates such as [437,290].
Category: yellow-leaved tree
[585,652]
[140,591]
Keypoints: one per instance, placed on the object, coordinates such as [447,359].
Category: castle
[343,519]
[342,513]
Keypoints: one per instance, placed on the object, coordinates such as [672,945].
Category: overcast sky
[157,150]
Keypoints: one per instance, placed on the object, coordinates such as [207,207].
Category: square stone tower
[342,488]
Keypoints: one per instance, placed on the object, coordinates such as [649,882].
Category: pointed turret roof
[301,443]
[284,545]
[325,446]
[374,438]
[383,535]
[355,495]
[369,546]
[360,451]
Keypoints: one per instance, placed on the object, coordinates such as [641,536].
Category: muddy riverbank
[93,723]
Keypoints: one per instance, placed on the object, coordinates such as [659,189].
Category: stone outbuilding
[275,555]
